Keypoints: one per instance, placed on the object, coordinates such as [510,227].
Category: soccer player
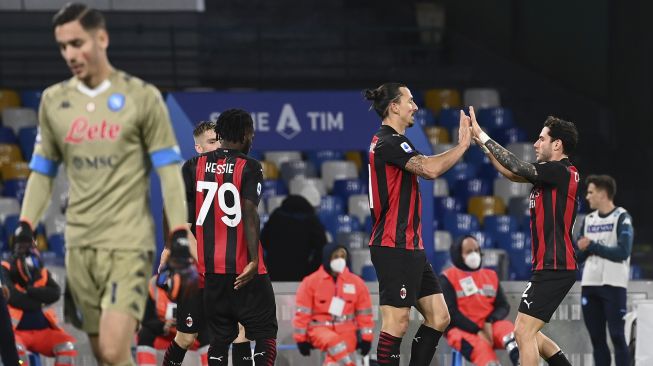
[605,244]
[223,190]
[405,277]
[190,311]
[110,129]
[553,205]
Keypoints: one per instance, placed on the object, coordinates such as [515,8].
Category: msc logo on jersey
[116,101]
[404,145]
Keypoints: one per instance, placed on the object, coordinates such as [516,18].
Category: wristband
[483,137]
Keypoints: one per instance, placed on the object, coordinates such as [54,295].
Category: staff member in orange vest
[477,306]
[158,327]
[333,304]
[31,287]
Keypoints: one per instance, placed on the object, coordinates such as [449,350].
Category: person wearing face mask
[31,288]
[333,305]
[478,307]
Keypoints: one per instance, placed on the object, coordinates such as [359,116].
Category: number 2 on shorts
[528,286]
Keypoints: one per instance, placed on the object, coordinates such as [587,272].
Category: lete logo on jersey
[116,101]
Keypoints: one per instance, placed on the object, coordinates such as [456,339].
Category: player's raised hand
[248,274]
[476,129]
[464,132]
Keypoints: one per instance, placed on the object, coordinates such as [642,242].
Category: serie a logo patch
[406,147]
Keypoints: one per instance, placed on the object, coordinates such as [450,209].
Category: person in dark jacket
[478,307]
[8,352]
[293,239]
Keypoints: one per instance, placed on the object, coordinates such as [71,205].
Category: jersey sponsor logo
[94,162]
[81,130]
[116,101]
[406,147]
[602,228]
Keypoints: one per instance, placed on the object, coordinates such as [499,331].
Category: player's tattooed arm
[415,165]
[511,162]
[431,167]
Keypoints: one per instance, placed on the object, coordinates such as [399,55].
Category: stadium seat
[270,171]
[519,254]
[509,136]
[497,260]
[424,117]
[484,241]
[487,171]
[449,118]
[17,118]
[460,171]
[335,169]
[368,273]
[476,157]
[464,189]
[442,240]
[481,206]
[359,259]
[523,150]
[495,119]
[444,206]
[263,219]
[506,189]
[8,206]
[359,206]
[56,244]
[480,98]
[635,272]
[357,158]
[317,157]
[300,184]
[437,135]
[440,148]
[14,188]
[354,239]
[499,227]
[437,99]
[15,170]
[10,225]
[9,99]
[255,154]
[26,138]
[7,136]
[344,188]
[273,203]
[30,98]
[278,157]
[332,205]
[441,260]
[519,206]
[273,187]
[460,223]
[440,187]
[297,168]
[340,224]
[10,153]
[367,225]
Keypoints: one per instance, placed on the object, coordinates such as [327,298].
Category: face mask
[473,260]
[338,265]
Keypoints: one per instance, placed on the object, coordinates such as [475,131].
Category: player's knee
[185,340]
[113,355]
[398,325]
[523,333]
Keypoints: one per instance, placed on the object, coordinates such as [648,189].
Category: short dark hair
[89,18]
[382,97]
[202,127]
[564,131]
[233,125]
[603,182]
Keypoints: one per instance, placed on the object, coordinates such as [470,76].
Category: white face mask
[338,265]
[473,260]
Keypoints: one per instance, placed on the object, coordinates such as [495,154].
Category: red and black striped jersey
[553,207]
[395,201]
[216,184]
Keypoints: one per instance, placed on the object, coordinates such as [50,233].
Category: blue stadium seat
[26,138]
[11,223]
[423,117]
[263,219]
[293,168]
[460,224]
[14,188]
[499,227]
[476,157]
[56,244]
[320,156]
[273,187]
[368,273]
[445,206]
[464,189]
[509,135]
[7,136]
[495,119]
[635,272]
[460,171]
[484,241]
[441,260]
[340,223]
[331,205]
[367,225]
[344,188]
[255,154]
[519,255]
[30,98]
[525,223]
[449,118]
[4,243]
[488,172]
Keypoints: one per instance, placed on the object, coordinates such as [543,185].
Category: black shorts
[190,313]
[253,306]
[545,292]
[405,276]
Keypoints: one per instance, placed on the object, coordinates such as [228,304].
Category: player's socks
[424,345]
[265,352]
[218,354]
[241,354]
[174,355]
[387,351]
[559,359]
